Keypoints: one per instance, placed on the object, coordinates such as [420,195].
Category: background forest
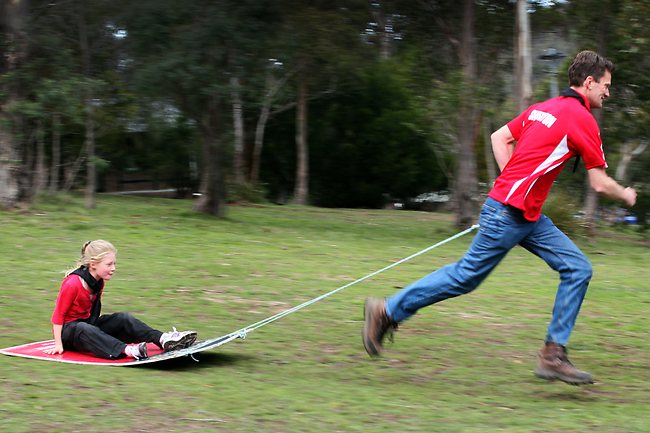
[332,103]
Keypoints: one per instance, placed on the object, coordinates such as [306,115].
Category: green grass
[464,365]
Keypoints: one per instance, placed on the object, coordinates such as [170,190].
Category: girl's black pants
[108,336]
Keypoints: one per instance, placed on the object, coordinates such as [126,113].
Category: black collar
[94,285]
[569,92]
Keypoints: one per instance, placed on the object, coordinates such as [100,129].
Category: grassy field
[464,365]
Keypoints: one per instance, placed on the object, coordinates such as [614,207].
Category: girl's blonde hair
[93,251]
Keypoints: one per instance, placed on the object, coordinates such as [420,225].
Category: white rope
[242,333]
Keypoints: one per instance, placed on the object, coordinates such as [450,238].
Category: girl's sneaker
[177,340]
[137,351]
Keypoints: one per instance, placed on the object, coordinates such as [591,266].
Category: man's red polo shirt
[548,134]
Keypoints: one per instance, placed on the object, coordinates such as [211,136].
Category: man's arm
[503,145]
[605,185]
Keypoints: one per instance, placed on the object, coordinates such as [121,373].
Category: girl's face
[104,268]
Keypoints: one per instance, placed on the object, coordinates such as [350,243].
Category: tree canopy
[353,103]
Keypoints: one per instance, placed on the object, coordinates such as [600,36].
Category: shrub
[246,193]
[564,211]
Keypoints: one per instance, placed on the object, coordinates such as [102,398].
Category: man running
[547,135]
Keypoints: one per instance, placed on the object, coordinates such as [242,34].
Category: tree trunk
[212,200]
[591,207]
[238,126]
[40,171]
[591,197]
[91,167]
[56,153]
[465,190]
[384,33]
[490,162]
[71,170]
[302,152]
[523,60]
[12,51]
[9,165]
[259,143]
[271,89]
[628,152]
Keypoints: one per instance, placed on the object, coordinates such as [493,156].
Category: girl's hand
[57,348]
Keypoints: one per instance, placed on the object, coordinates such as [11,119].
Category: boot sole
[553,375]
[184,342]
[367,344]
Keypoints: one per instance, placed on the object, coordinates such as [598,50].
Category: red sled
[35,351]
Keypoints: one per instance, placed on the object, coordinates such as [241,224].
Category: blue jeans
[501,229]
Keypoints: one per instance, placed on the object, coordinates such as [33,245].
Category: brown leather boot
[376,325]
[553,363]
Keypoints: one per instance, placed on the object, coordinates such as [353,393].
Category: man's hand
[629,196]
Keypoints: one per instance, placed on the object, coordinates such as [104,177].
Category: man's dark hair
[588,63]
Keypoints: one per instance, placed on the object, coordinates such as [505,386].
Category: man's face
[598,91]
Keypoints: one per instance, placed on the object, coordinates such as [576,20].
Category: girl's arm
[66,296]
[58,343]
